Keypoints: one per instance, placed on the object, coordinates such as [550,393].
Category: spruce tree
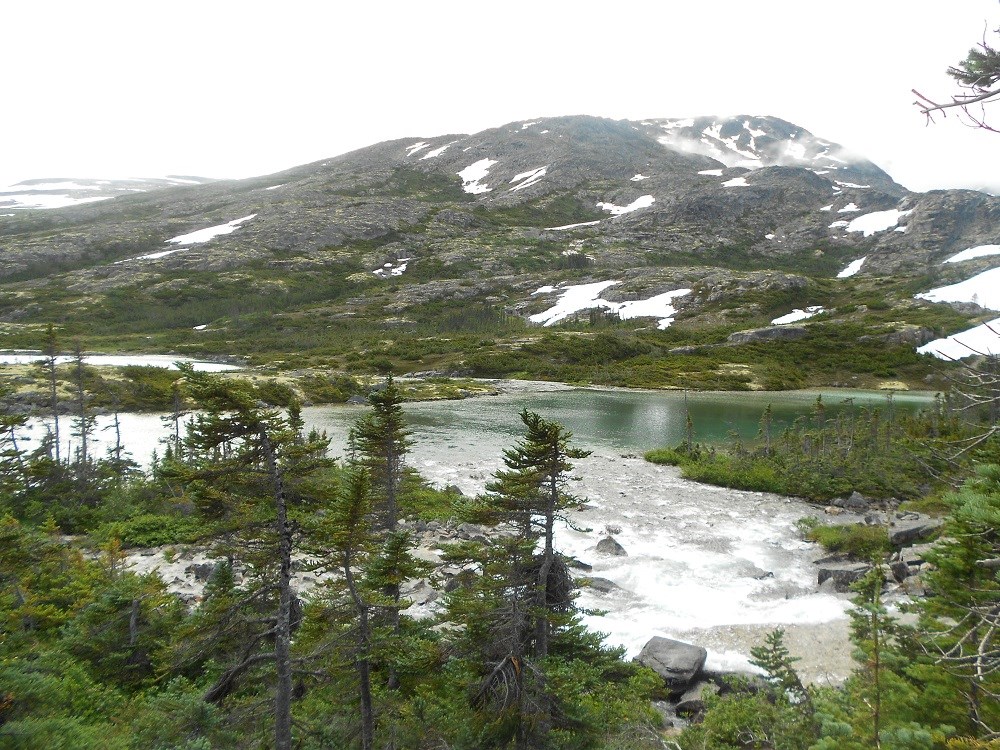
[242,466]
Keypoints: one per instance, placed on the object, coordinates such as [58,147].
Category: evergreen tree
[522,594]
[50,348]
[381,441]
[243,466]
[960,624]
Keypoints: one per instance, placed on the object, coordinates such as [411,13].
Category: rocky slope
[727,207]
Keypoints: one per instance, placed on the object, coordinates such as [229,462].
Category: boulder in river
[602,585]
[675,661]
[610,546]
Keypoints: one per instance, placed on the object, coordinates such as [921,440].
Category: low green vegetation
[857,540]
[96,656]
[872,451]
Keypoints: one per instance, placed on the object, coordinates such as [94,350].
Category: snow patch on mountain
[711,172]
[43,200]
[573,226]
[736,182]
[389,269]
[877,221]
[853,268]
[638,178]
[797,314]
[980,251]
[982,339]
[849,209]
[475,172]
[643,201]
[209,233]
[658,306]
[528,178]
[437,151]
[983,289]
[576,298]
[418,146]
[748,142]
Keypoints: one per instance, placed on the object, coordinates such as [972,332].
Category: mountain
[370,255]
[60,192]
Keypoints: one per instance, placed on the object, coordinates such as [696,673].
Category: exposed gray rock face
[676,662]
[771,333]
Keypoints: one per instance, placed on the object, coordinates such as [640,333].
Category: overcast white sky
[235,89]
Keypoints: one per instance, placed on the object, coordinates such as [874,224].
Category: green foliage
[742,718]
[857,540]
[823,457]
[153,530]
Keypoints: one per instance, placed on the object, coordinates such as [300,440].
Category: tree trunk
[283,626]
[50,365]
[361,663]
[548,557]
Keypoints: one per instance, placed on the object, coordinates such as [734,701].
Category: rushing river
[708,565]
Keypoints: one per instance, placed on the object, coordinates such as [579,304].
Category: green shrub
[152,530]
[857,540]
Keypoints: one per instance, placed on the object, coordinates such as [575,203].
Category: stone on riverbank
[675,661]
[842,574]
[907,528]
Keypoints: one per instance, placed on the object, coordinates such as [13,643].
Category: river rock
[900,570]
[842,574]
[572,562]
[610,546]
[693,699]
[356,399]
[912,528]
[675,661]
[603,585]
[915,554]
[855,502]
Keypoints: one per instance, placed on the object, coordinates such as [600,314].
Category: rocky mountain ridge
[656,205]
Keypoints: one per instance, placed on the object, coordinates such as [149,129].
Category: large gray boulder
[675,661]
[841,574]
[610,546]
[914,527]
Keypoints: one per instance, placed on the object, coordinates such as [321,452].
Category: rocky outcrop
[770,333]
